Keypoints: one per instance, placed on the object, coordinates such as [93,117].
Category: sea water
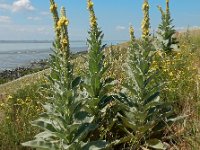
[15,54]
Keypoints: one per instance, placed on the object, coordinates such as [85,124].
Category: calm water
[18,54]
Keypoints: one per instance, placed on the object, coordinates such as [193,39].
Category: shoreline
[7,75]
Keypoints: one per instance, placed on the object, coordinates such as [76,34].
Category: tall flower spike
[167,6]
[93,19]
[131,32]
[62,24]
[53,9]
[146,21]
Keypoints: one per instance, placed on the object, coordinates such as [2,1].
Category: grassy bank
[22,100]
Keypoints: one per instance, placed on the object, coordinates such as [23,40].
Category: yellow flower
[165,70]
[159,53]
[2,104]
[64,41]
[62,21]
[90,4]
[53,7]
[145,5]
[10,97]
[93,21]
[171,74]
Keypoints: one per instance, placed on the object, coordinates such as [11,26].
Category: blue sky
[31,20]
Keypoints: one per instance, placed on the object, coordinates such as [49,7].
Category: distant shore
[12,74]
[7,75]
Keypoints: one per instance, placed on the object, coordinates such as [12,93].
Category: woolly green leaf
[83,131]
[156,144]
[83,117]
[95,145]
[151,98]
[109,80]
[41,144]
[177,118]
[105,100]
[45,124]
[76,82]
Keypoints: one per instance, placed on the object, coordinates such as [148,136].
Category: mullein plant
[64,124]
[146,39]
[146,21]
[166,40]
[146,116]
[96,85]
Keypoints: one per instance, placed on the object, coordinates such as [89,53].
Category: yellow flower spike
[63,21]
[64,38]
[167,6]
[131,31]
[53,7]
[93,19]
[146,21]
[90,4]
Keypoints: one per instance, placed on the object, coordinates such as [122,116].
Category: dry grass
[11,87]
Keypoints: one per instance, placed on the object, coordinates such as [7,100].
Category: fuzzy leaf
[95,145]
[41,144]
[156,144]
[76,82]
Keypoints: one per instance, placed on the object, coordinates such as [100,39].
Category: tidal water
[15,54]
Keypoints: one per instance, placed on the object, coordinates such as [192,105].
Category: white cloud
[13,31]
[120,28]
[5,19]
[34,18]
[21,5]
[45,13]
[5,7]
[18,5]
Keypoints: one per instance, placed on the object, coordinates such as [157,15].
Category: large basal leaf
[152,98]
[105,100]
[45,135]
[45,124]
[76,82]
[176,118]
[83,131]
[41,144]
[95,145]
[155,144]
[83,117]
